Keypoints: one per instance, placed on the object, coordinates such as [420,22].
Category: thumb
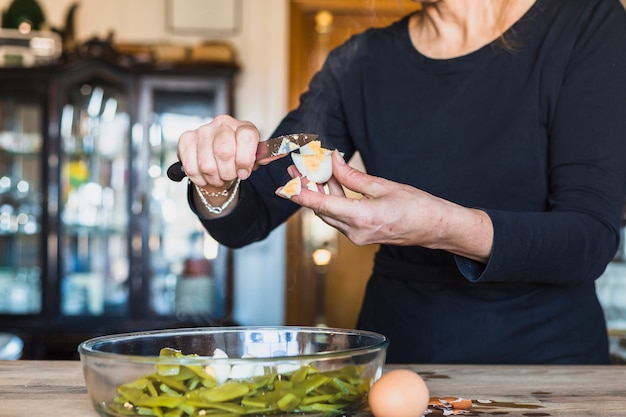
[352,178]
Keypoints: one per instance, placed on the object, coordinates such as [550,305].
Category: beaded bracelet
[218,210]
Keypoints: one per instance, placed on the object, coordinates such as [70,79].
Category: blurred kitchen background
[94,239]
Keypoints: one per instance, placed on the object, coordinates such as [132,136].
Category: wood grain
[533,390]
[43,388]
[57,388]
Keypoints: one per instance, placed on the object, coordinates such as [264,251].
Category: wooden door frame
[298,9]
[300,297]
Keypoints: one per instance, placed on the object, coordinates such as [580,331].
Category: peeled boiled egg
[314,162]
[399,393]
[292,187]
[245,370]
[224,372]
[219,371]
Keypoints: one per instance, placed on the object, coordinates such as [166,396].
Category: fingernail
[242,173]
[339,158]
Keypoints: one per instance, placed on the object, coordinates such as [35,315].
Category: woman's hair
[507,39]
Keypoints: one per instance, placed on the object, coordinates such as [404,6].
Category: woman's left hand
[396,214]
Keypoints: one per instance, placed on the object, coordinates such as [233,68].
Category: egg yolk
[312,162]
[292,187]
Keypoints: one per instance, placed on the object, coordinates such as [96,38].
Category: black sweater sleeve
[579,233]
[535,137]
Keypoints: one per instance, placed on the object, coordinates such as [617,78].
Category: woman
[492,133]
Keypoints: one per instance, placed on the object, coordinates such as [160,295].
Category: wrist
[217,192]
[469,233]
[216,202]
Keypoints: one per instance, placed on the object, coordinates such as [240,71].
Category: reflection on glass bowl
[233,370]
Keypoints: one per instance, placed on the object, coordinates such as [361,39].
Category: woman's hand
[215,157]
[218,152]
[397,214]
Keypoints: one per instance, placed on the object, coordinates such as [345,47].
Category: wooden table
[57,388]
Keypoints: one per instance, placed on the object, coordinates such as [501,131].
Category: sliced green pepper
[190,391]
[288,402]
[169,381]
[226,392]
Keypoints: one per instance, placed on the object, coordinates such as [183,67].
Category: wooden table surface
[57,388]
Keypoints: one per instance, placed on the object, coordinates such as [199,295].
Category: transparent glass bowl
[229,371]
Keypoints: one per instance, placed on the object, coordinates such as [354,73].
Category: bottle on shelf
[196,289]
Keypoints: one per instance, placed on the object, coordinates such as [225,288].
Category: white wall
[261,44]
[261,97]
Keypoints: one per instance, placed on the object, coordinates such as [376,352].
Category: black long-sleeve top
[531,129]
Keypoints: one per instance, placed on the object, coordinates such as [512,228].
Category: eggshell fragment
[399,393]
[451,406]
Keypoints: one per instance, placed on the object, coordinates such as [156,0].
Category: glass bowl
[231,371]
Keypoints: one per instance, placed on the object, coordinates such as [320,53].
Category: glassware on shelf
[20,290]
[163,291]
[20,204]
[93,236]
[94,128]
[83,293]
[195,288]
[188,272]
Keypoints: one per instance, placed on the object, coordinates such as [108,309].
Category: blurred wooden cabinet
[94,239]
[330,293]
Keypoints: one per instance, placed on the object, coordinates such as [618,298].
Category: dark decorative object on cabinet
[68,31]
[93,237]
[23,12]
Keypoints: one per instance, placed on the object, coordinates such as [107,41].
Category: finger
[222,155]
[337,224]
[335,188]
[187,153]
[247,136]
[293,171]
[186,143]
[334,206]
[356,180]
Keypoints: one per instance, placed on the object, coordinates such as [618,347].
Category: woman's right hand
[217,153]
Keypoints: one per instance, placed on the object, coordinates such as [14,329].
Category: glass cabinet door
[21,116]
[188,269]
[94,187]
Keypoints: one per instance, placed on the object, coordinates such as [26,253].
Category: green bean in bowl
[233,371]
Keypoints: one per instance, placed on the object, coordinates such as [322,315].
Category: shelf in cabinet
[19,234]
[105,234]
[94,231]
[29,153]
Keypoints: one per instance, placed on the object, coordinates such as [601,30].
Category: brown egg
[399,393]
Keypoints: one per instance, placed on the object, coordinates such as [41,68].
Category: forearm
[254,213]
[465,232]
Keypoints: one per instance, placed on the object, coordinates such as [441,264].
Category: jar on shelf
[196,288]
